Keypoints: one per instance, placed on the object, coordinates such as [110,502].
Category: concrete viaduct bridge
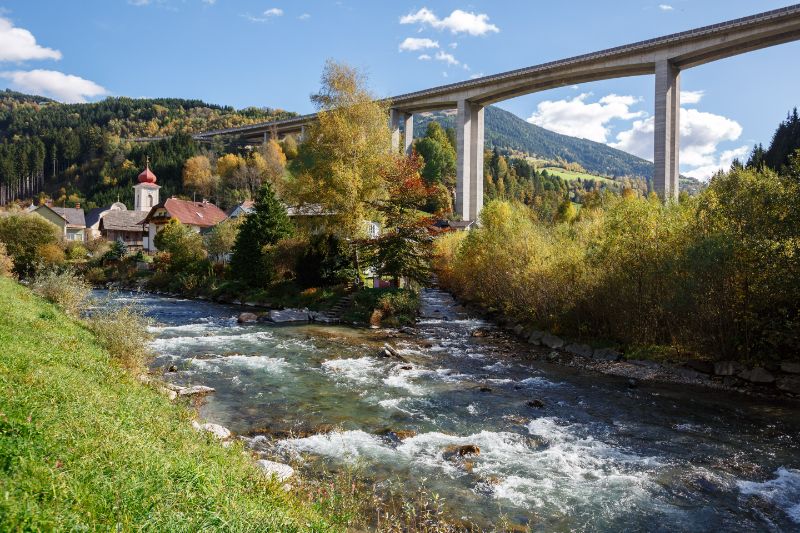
[664,56]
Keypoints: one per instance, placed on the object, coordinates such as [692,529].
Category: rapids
[598,456]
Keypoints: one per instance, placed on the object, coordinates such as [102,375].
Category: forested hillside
[71,149]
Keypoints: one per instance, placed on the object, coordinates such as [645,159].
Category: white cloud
[210,2]
[578,118]
[441,55]
[724,162]
[453,45]
[424,57]
[63,87]
[457,22]
[701,134]
[665,7]
[414,44]
[304,16]
[18,44]
[476,76]
[692,97]
[273,12]
[139,2]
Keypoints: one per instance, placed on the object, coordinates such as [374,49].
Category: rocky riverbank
[779,379]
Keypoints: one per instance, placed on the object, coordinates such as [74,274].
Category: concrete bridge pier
[396,118]
[469,160]
[667,130]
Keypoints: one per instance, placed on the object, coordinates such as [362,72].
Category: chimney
[48,202]
[78,206]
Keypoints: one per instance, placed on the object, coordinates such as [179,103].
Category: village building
[200,216]
[70,220]
[94,216]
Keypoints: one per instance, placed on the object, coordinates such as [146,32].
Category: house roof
[73,216]
[202,214]
[123,221]
[246,206]
[94,215]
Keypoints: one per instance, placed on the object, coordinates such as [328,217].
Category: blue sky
[271,52]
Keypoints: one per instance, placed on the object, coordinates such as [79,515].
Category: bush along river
[497,435]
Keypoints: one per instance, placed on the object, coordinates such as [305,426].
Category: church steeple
[146,191]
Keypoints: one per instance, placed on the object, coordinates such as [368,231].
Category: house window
[149,200]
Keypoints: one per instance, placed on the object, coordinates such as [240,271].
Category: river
[598,456]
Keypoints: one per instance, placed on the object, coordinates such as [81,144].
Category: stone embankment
[776,379]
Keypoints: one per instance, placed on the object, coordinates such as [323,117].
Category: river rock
[246,317]
[288,315]
[280,471]
[789,384]
[461,451]
[195,390]
[757,375]
[220,432]
[790,367]
[551,341]
[479,332]
[606,354]
[536,404]
[535,337]
[727,368]
[518,330]
[581,350]
[408,330]
[485,389]
[170,394]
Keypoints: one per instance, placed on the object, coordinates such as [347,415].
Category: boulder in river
[408,330]
[281,472]
[727,368]
[699,365]
[757,375]
[247,317]
[479,332]
[551,341]
[485,389]
[790,367]
[195,390]
[461,451]
[536,404]
[285,316]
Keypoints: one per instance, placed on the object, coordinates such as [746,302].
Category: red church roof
[147,175]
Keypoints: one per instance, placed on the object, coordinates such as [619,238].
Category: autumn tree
[220,240]
[404,250]
[289,146]
[197,176]
[343,159]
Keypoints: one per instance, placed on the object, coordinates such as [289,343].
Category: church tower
[146,191]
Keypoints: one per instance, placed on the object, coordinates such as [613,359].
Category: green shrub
[717,274]
[64,288]
[26,237]
[6,262]
[326,260]
[123,332]
[75,251]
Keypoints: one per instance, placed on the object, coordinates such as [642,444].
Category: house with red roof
[200,216]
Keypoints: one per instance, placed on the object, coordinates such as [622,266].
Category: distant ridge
[507,131]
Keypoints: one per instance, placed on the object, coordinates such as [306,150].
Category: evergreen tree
[265,226]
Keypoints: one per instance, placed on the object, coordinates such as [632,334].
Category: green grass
[84,446]
[569,175]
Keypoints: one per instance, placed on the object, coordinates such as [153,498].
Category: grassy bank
[84,446]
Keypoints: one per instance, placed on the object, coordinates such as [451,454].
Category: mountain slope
[505,130]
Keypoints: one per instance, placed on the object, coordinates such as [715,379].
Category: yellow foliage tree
[347,149]
[197,175]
